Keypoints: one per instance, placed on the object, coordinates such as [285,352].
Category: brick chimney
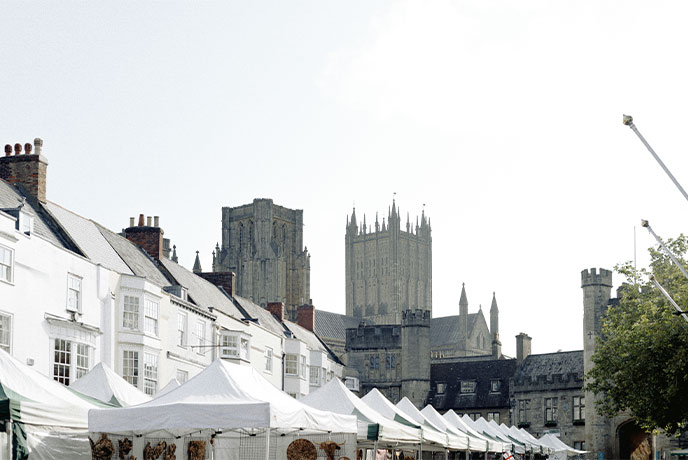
[147,237]
[305,317]
[277,310]
[28,169]
[522,347]
[225,279]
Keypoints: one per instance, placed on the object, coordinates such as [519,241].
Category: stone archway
[633,443]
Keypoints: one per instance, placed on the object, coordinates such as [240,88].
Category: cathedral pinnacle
[174,253]
[463,300]
[197,264]
[493,307]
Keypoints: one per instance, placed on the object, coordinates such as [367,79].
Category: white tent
[232,407]
[171,385]
[372,426]
[481,426]
[103,384]
[560,451]
[475,444]
[478,442]
[516,436]
[431,439]
[48,421]
[454,441]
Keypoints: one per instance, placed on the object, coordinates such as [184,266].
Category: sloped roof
[445,330]
[43,224]
[263,316]
[549,364]
[89,238]
[201,292]
[138,261]
[482,371]
[333,325]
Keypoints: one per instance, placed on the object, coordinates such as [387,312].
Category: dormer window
[25,223]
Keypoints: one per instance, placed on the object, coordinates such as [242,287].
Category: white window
[130,315]
[130,367]
[551,410]
[151,310]
[291,364]
[150,373]
[578,408]
[6,265]
[495,386]
[245,349]
[315,376]
[230,346]
[493,416]
[441,388]
[304,367]
[200,337]
[181,329]
[25,223]
[70,360]
[6,332]
[268,359]
[182,376]
[73,293]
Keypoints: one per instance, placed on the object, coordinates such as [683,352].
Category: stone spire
[174,254]
[494,329]
[463,320]
[197,264]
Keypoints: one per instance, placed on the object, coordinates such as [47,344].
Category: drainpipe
[283,370]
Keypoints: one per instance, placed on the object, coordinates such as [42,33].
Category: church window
[551,410]
[467,386]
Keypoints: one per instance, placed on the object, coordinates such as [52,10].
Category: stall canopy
[474,444]
[452,440]
[48,420]
[485,430]
[171,385]
[516,436]
[372,426]
[430,438]
[103,384]
[560,451]
[478,442]
[224,396]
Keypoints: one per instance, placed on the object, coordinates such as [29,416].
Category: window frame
[578,408]
[151,363]
[72,278]
[10,267]
[291,360]
[151,322]
[181,375]
[495,385]
[10,319]
[268,354]
[467,387]
[493,416]
[129,315]
[182,328]
[70,362]
[440,388]
[314,377]
[550,406]
[134,358]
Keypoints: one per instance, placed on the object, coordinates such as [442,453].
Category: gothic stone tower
[415,356]
[596,294]
[388,270]
[263,244]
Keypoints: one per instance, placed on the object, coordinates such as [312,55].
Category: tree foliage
[641,360]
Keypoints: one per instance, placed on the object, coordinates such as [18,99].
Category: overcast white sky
[503,117]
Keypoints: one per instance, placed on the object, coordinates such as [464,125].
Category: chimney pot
[131,221]
[8,150]
[148,221]
[305,317]
[27,148]
[38,145]
[140,220]
[156,221]
[17,149]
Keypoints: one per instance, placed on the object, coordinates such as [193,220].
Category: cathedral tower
[388,270]
[415,356]
[263,244]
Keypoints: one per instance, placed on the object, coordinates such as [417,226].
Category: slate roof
[89,238]
[310,339]
[138,261]
[43,224]
[263,316]
[201,292]
[549,364]
[482,371]
[444,331]
[333,325]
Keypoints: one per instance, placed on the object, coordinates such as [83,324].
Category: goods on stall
[330,447]
[196,450]
[151,453]
[301,449]
[169,453]
[103,449]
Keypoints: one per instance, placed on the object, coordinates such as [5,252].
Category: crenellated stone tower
[415,356]
[263,244]
[597,286]
[388,270]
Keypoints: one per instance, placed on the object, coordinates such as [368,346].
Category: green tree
[641,360]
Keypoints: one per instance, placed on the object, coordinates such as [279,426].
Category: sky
[503,119]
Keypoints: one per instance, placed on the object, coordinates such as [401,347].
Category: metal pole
[666,294]
[646,224]
[628,121]
[267,444]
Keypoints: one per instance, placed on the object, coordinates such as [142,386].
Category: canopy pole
[267,444]
[375,448]
[9,438]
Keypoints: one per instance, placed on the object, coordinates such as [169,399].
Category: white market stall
[507,445]
[103,384]
[473,443]
[454,441]
[44,419]
[490,445]
[171,385]
[374,430]
[228,412]
[560,451]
